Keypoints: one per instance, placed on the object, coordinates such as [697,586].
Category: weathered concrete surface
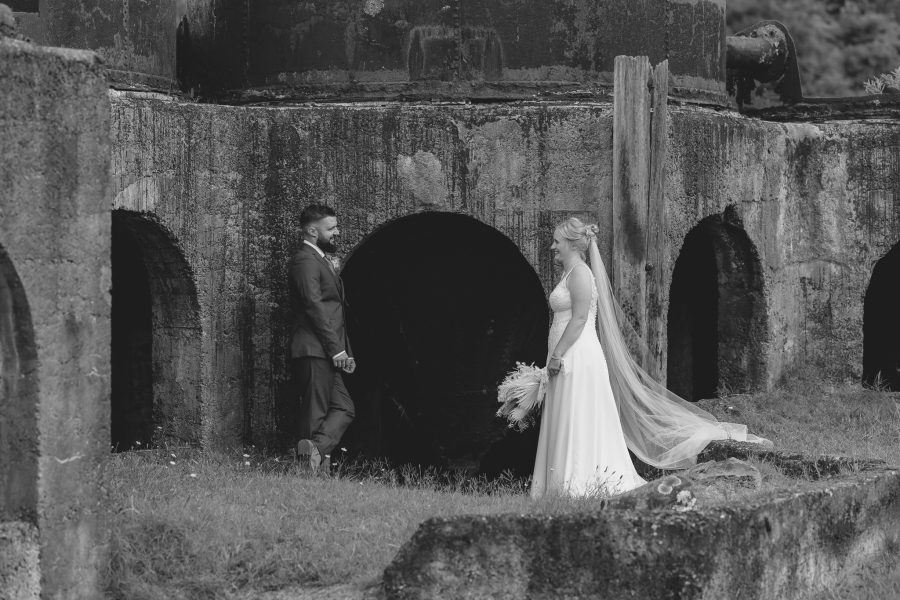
[229,184]
[792,464]
[788,545]
[343,49]
[797,213]
[819,203]
[706,482]
[478,48]
[20,573]
[135,39]
[54,234]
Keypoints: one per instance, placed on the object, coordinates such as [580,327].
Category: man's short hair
[313,213]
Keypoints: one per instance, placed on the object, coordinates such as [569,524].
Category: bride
[600,403]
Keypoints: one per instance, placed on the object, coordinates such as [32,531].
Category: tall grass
[192,525]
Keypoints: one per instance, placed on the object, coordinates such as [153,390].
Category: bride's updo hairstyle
[578,234]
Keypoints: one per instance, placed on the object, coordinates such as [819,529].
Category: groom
[320,348]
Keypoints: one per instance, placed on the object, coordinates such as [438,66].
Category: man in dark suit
[320,347]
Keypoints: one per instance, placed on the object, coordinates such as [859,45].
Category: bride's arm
[579,284]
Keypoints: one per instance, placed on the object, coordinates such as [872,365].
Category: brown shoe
[308,455]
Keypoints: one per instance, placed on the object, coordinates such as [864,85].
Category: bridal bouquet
[521,395]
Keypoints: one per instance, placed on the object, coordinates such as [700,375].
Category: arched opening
[155,337]
[881,323]
[716,320]
[18,400]
[442,306]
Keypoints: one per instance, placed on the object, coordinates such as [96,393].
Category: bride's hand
[554,366]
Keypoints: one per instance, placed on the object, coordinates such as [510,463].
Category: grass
[214,526]
[195,525]
[814,418]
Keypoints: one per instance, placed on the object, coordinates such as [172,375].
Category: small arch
[18,400]
[442,306]
[155,337]
[881,323]
[716,319]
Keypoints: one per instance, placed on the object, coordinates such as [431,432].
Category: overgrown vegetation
[840,43]
[886,82]
[193,525]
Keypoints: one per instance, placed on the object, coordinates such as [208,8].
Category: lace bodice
[561,303]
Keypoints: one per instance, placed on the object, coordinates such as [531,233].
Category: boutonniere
[335,262]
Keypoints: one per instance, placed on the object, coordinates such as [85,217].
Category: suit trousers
[326,409]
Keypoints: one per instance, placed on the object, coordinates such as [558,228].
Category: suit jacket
[319,325]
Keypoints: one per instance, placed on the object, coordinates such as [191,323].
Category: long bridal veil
[662,429]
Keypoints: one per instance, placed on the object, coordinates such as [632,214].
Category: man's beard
[329,247]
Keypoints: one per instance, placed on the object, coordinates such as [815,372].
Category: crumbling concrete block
[789,544]
[20,575]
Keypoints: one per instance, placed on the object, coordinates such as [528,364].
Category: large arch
[442,306]
[881,323]
[155,337]
[18,400]
[716,323]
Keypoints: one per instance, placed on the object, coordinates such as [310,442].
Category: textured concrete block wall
[135,39]
[821,204]
[229,183]
[54,235]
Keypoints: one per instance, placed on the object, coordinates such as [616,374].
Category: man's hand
[341,360]
[351,366]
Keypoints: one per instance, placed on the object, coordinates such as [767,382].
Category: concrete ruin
[450,137]
[793,543]
[54,319]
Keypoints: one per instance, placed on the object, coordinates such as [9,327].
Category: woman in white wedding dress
[600,403]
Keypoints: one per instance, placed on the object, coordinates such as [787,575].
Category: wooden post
[631,180]
[639,142]
[657,251]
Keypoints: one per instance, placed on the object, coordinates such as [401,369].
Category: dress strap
[569,272]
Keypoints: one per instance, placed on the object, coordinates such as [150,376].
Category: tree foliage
[840,43]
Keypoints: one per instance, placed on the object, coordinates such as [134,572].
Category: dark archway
[155,337]
[717,319]
[442,307]
[881,323]
[18,400]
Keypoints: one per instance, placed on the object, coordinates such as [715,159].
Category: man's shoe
[308,455]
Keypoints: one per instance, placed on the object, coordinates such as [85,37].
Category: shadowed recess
[18,400]
[881,323]
[155,337]
[716,320]
[442,306]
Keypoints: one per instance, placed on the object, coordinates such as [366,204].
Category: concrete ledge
[20,575]
[11,48]
[788,544]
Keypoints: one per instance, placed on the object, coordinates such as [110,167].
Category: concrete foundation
[790,544]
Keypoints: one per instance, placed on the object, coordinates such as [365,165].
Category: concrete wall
[478,48]
[821,203]
[229,182]
[135,39]
[54,235]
